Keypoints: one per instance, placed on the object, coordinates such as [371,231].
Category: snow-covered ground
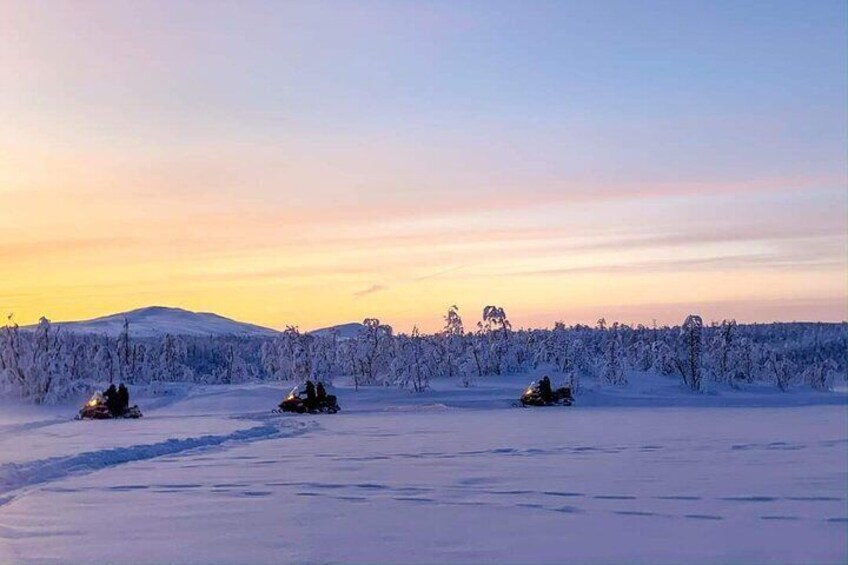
[646,474]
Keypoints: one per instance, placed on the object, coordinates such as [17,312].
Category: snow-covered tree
[723,352]
[373,352]
[492,345]
[613,359]
[690,363]
[412,366]
[125,354]
[451,343]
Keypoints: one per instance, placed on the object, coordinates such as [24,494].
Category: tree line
[47,364]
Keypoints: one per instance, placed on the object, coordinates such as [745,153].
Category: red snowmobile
[296,402]
[97,409]
[532,396]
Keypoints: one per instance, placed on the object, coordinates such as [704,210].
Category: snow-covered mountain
[345,331]
[158,320]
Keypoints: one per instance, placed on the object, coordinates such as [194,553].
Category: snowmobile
[97,409]
[296,402]
[532,396]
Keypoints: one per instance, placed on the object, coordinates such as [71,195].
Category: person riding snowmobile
[545,389]
[123,397]
[307,400]
[107,405]
[113,403]
[540,394]
[310,395]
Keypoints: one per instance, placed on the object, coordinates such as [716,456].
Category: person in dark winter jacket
[545,389]
[321,392]
[310,394]
[113,403]
[123,397]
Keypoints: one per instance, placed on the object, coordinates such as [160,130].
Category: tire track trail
[15,477]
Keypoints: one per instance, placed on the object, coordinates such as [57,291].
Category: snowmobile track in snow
[29,426]
[17,476]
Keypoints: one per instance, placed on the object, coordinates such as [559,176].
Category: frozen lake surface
[209,475]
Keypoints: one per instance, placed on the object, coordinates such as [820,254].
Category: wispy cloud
[438,273]
[370,290]
[286,273]
[750,261]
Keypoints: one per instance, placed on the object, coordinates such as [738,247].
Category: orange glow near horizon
[78,246]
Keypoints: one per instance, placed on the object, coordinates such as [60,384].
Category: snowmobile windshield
[293,393]
[533,387]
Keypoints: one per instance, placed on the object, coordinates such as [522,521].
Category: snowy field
[650,474]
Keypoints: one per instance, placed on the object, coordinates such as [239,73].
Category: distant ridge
[156,321]
[345,331]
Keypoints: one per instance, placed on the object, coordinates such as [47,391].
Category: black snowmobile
[532,396]
[98,409]
[297,402]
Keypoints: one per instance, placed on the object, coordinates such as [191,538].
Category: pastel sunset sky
[313,163]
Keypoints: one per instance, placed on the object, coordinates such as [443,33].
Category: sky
[313,163]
